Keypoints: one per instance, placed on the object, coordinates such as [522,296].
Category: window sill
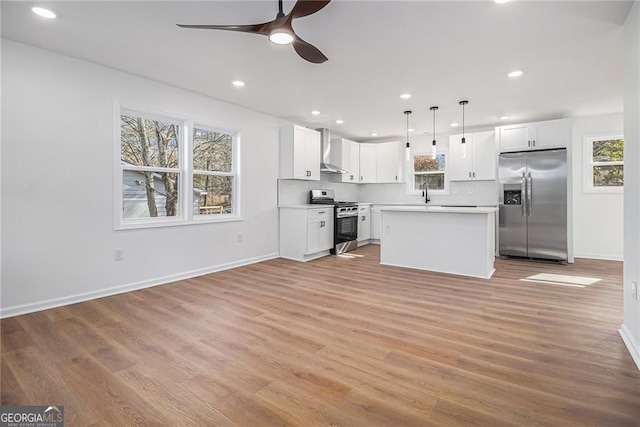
[175,223]
[603,190]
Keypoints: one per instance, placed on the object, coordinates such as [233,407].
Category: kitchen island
[456,240]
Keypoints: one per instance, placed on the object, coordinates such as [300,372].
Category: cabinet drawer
[324,214]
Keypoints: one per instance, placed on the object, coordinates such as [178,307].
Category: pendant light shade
[434,148]
[463,145]
[407,150]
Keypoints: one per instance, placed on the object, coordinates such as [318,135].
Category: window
[604,163]
[172,172]
[430,172]
[213,172]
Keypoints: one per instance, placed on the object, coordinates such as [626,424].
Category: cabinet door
[459,167]
[484,155]
[300,170]
[312,154]
[313,236]
[387,160]
[367,163]
[364,223]
[354,163]
[376,224]
[549,134]
[326,234]
[514,138]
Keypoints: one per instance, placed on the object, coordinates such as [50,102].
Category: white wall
[57,174]
[597,217]
[630,330]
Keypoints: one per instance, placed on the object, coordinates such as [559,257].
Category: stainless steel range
[345,220]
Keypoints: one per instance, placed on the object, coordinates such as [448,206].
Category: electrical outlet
[470,190]
[239,238]
[634,289]
[454,189]
[118,254]
[387,229]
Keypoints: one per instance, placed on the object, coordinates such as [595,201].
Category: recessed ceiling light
[453,125]
[405,96]
[505,117]
[502,1]
[45,13]
[315,112]
[237,83]
[516,73]
[374,134]
[339,121]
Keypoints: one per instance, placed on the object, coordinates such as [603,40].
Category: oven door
[346,232]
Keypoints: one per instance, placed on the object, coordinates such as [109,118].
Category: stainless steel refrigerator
[533,204]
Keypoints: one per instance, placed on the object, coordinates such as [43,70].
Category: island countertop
[440,209]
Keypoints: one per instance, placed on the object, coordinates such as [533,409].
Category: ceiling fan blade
[308,51]
[253,28]
[307,7]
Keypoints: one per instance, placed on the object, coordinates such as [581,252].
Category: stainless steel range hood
[325,164]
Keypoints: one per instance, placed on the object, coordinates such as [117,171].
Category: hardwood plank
[334,341]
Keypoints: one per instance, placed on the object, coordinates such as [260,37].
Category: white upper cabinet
[346,155]
[477,161]
[388,164]
[380,162]
[299,153]
[367,163]
[534,136]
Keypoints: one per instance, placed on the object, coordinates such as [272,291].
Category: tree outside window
[149,155]
[213,171]
[604,166]
[429,172]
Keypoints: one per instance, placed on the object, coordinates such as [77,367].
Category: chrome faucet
[425,193]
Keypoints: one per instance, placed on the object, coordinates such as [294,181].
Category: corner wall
[630,330]
[57,185]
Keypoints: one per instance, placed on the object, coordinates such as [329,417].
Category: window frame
[184,171]
[588,163]
[411,190]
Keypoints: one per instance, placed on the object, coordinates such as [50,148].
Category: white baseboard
[86,296]
[602,257]
[631,346]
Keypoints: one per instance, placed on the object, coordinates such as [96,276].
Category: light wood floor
[334,342]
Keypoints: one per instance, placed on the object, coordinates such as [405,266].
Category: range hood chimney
[325,164]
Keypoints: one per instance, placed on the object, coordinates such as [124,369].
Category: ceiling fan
[280,30]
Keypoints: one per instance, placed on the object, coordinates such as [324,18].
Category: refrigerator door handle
[523,190]
[529,194]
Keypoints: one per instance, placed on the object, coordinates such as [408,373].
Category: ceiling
[439,51]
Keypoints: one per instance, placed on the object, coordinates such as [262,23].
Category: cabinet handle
[361,178]
[396,177]
[469,174]
[474,174]
[364,218]
[351,177]
[528,143]
[534,142]
[319,213]
[321,223]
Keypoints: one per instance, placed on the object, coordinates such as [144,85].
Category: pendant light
[463,145]
[407,151]
[434,149]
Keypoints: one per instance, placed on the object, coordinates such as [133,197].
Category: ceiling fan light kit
[280,30]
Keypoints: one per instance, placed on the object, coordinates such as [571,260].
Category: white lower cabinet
[364,223]
[306,233]
[376,223]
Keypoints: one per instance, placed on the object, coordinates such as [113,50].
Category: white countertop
[307,206]
[440,209]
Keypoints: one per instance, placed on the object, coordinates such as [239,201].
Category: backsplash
[296,192]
